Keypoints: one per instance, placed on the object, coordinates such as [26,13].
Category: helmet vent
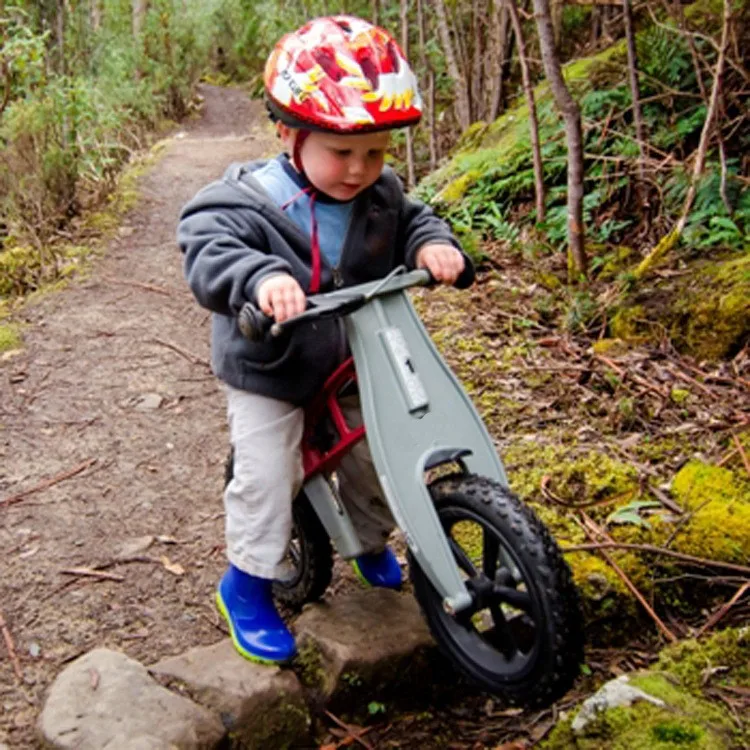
[344,26]
[327,61]
[370,71]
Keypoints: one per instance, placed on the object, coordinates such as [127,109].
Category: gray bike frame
[417,416]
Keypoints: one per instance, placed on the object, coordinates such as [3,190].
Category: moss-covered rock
[706,313]
[667,716]
[721,659]
[718,525]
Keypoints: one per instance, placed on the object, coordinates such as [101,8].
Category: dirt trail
[114,376]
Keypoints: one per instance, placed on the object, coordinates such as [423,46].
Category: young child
[325,214]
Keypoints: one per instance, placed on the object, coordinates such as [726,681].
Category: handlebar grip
[254,324]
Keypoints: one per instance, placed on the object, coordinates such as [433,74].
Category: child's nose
[357,166]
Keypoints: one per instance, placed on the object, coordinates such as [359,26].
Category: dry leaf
[93,679]
[174,568]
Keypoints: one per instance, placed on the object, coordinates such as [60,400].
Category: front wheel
[522,636]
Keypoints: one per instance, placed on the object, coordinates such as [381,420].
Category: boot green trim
[242,651]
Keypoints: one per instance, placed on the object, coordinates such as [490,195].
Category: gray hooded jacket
[233,236]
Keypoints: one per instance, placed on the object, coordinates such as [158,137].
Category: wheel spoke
[463,560]
[506,641]
[518,599]
[490,550]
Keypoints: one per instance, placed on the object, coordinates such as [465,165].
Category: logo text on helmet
[297,91]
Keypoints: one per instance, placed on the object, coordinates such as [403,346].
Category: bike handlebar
[255,325]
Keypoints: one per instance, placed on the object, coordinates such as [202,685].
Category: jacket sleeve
[225,249]
[418,225]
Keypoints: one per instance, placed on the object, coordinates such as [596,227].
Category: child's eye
[343,152]
[375,153]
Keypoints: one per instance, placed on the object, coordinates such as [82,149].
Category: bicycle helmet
[343,75]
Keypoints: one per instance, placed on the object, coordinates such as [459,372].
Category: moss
[612,347]
[685,722]
[10,337]
[630,324]
[679,395]
[308,665]
[575,474]
[693,661]
[657,254]
[715,313]
[706,313]
[719,523]
[454,191]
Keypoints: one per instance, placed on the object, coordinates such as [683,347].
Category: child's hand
[444,262]
[281,297]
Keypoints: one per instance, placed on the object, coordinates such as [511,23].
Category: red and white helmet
[343,75]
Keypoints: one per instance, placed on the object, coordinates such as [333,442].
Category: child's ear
[285,134]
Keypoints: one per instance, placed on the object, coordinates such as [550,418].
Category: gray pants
[266,435]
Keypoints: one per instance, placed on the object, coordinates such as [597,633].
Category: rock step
[360,647]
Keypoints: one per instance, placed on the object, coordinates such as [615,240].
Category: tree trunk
[95,15]
[461,94]
[634,90]
[501,40]
[374,12]
[428,100]
[60,36]
[478,52]
[556,14]
[140,8]
[410,175]
[533,121]
[573,134]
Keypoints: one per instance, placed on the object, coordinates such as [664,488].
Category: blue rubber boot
[257,630]
[379,569]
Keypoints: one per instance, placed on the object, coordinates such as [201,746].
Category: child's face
[341,166]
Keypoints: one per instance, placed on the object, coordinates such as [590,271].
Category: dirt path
[114,378]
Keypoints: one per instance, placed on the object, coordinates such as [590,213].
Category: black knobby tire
[310,553]
[523,637]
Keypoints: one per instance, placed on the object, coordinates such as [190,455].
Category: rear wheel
[310,554]
[522,636]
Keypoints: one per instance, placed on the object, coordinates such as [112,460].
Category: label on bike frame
[411,385]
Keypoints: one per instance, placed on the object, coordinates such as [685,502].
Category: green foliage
[489,181]
[78,107]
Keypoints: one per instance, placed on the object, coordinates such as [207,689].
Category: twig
[12,655]
[742,453]
[183,352]
[48,482]
[549,495]
[140,285]
[724,609]
[91,573]
[659,551]
[354,732]
[692,381]
[591,530]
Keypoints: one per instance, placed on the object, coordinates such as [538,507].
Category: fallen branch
[91,573]
[12,655]
[48,482]
[354,732]
[183,352]
[592,530]
[714,619]
[652,548]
